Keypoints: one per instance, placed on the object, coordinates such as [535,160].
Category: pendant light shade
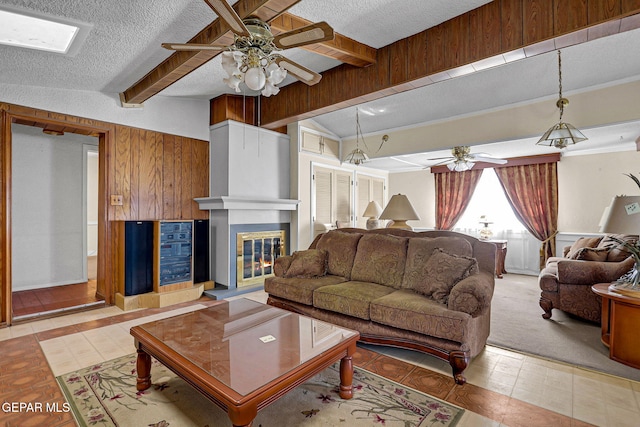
[561,134]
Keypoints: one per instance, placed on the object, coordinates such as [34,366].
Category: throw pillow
[444,270]
[617,252]
[592,254]
[380,259]
[308,264]
[420,250]
[583,242]
[341,251]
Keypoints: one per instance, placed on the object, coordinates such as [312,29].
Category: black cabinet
[138,257]
[201,251]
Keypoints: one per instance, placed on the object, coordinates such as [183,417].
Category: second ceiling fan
[462,159]
[254,57]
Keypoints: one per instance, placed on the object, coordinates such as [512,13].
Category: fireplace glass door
[256,253]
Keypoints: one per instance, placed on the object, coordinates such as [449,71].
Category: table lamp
[399,210]
[623,217]
[373,211]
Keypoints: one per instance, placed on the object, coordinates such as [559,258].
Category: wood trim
[513,161]
[450,49]
[5,217]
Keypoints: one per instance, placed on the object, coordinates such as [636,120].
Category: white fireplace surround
[250,186]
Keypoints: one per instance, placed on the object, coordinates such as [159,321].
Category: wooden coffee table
[243,355]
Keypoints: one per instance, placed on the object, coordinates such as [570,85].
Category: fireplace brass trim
[259,270]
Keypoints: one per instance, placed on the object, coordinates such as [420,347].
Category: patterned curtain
[453,192]
[532,191]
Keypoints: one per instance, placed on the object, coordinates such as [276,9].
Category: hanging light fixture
[254,60]
[357,156]
[561,134]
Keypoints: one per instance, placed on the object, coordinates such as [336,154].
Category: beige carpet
[517,323]
[105,395]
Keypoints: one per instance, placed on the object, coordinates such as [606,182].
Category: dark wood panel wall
[158,175]
[498,27]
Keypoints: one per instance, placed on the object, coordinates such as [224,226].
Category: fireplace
[255,254]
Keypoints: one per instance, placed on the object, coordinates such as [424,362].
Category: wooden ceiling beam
[342,48]
[491,35]
[181,63]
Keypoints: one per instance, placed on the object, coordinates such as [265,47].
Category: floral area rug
[105,395]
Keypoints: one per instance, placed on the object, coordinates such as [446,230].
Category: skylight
[31,30]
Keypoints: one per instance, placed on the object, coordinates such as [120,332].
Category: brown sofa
[428,291]
[566,281]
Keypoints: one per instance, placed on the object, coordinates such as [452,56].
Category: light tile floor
[581,394]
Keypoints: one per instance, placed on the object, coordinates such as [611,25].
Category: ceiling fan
[461,159]
[254,57]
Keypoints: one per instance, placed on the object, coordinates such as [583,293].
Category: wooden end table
[501,255]
[620,322]
[243,355]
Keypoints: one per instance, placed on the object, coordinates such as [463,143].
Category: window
[489,200]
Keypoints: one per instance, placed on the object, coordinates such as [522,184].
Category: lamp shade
[373,210]
[400,210]
[623,216]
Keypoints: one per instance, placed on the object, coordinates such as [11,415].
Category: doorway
[54,222]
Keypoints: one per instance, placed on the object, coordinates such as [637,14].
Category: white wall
[586,185]
[47,208]
[420,189]
[184,117]
[92,168]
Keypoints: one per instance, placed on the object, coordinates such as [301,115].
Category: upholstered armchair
[565,282]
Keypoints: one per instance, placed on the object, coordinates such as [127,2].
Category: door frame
[65,123]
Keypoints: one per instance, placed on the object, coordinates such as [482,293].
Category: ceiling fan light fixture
[460,166]
[254,78]
[561,134]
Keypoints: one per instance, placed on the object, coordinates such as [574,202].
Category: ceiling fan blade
[309,34]
[192,46]
[443,158]
[442,163]
[301,73]
[228,15]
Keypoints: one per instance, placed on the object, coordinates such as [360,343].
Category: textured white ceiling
[124,45]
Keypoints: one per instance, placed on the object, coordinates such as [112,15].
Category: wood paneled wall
[157,174]
[498,27]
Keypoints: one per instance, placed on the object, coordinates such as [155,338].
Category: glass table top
[226,338]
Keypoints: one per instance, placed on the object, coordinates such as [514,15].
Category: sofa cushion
[380,259]
[419,251]
[308,264]
[592,254]
[442,271]
[341,251]
[408,310]
[298,289]
[350,298]
[583,242]
[617,252]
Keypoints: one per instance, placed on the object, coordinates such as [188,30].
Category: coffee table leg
[143,366]
[346,374]
[242,417]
